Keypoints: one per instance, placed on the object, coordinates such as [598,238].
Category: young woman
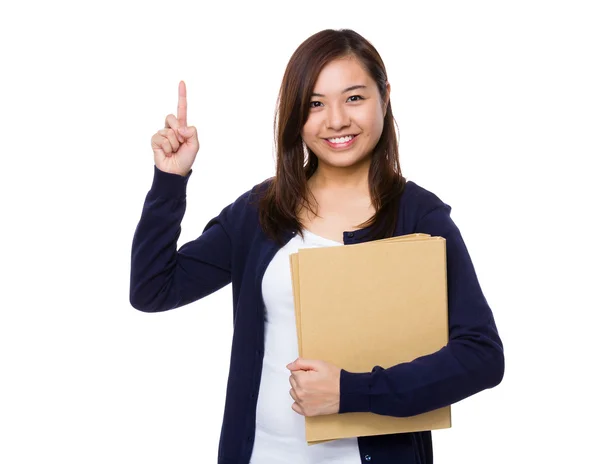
[338,181]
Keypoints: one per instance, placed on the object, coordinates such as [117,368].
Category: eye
[357,97]
[353,98]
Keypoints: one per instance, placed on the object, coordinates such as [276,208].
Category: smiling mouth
[341,142]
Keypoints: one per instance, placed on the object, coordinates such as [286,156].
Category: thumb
[303,364]
[188,132]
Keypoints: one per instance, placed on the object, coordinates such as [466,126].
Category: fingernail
[182,130]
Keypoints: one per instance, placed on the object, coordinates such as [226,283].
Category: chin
[340,160]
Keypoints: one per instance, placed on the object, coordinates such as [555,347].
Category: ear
[387,98]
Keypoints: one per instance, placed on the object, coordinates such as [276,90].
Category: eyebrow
[353,87]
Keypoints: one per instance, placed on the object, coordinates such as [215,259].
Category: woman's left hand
[315,387]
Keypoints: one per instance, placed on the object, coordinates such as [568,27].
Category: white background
[498,108]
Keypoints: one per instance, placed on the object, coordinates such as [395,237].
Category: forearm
[464,367]
[154,247]
[472,360]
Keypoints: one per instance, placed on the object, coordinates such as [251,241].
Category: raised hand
[175,147]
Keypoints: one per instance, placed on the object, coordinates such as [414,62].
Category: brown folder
[381,303]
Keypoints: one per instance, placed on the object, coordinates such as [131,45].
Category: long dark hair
[284,193]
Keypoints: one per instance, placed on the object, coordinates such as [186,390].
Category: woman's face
[346,114]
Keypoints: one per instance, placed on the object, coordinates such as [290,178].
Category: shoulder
[249,199]
[244,209]
[421,199]
[418,202]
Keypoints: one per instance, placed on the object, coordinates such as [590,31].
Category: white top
[280,434]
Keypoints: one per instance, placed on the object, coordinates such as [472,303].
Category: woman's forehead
[342,74]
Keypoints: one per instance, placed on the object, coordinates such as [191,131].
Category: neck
[347,178]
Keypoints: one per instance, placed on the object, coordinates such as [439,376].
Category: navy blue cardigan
[233,249]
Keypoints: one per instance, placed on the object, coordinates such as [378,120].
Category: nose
[337,117]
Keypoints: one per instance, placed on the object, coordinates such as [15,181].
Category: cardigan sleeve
[163,277]
[473,359]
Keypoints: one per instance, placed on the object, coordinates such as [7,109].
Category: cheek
[311,126]
[370,119]
[374,122]
[306,134]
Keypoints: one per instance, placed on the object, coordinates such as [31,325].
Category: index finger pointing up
[182,105]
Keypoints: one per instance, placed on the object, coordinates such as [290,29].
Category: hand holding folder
[378,303]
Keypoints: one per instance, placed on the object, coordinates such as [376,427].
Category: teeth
[342,139]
